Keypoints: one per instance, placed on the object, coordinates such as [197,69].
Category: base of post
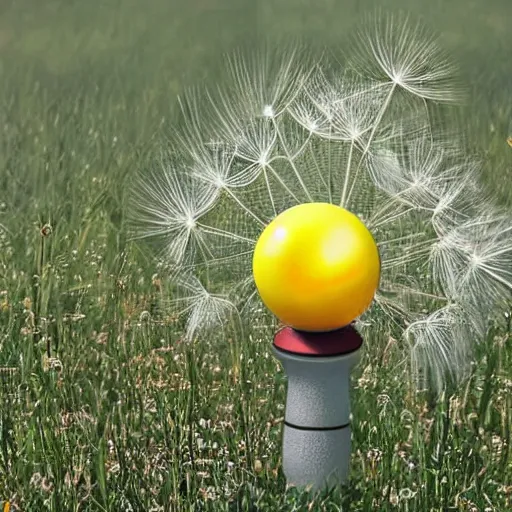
[316,458]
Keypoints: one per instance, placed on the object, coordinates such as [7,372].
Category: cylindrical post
[316,434]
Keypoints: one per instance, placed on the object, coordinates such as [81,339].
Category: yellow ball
[316,267]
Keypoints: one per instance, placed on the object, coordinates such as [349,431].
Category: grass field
[101,407]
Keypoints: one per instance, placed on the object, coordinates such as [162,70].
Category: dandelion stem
[389,218]
[244,208]
[380,115]
[283,184]
[271,197]
[221,232]
[320,175]
[303,145]
[290,160]
[347,174]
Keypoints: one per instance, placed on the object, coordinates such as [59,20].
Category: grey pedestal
[316,435]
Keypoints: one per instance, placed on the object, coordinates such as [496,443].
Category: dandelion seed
[442,339]
[408,55]
[263,84]
[205,310]
[474,259]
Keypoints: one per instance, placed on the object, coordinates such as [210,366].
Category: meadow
[103,407]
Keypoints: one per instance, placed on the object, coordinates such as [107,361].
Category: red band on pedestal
[339,342]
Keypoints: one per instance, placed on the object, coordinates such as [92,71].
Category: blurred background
[114,68]
[165,43]
[62,38]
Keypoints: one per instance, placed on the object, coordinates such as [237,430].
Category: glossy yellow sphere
[316,267]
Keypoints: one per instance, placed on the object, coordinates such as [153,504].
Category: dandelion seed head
[284,128]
